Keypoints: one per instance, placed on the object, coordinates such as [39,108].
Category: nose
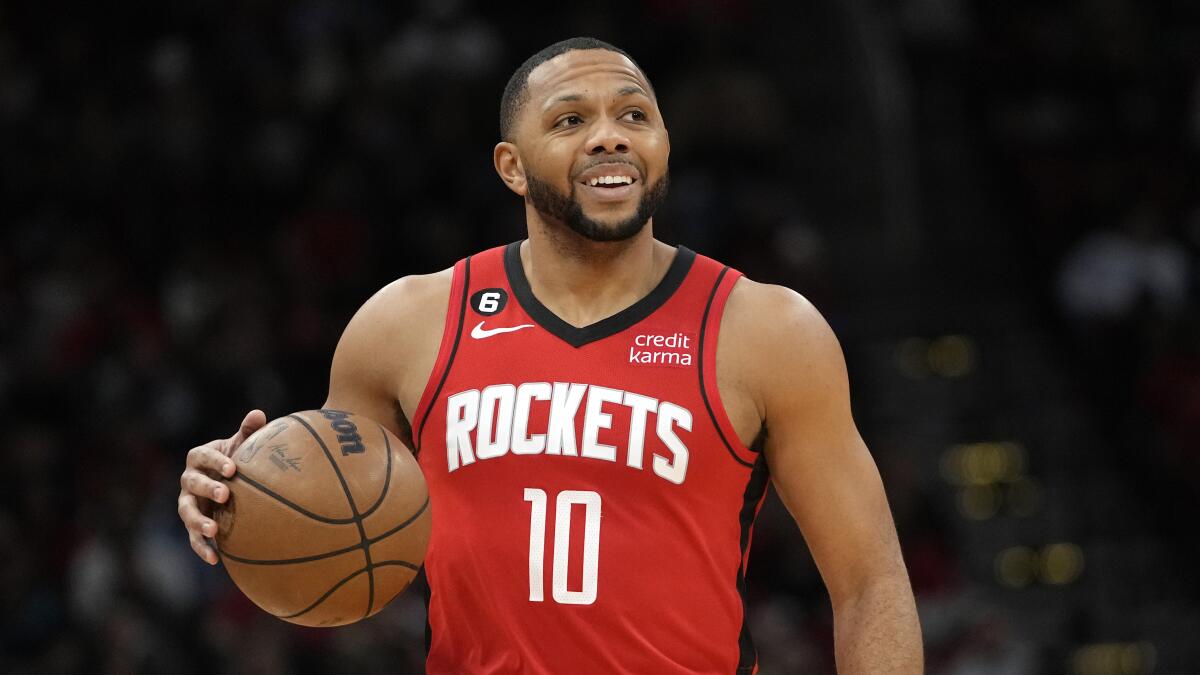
[607,138]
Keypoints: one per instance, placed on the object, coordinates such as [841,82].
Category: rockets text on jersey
[491,423]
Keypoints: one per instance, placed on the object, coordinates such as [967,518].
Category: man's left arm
[827,479]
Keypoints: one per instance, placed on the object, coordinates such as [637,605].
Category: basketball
[327,519]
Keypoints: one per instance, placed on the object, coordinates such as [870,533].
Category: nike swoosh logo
[479,332]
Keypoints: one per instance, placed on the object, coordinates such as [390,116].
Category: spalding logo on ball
[327,518]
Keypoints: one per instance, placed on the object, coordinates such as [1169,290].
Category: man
[595,454]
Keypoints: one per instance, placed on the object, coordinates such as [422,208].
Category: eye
[568,121]
[637,115]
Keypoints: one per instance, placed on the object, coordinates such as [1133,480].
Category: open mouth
[609,188]
[609,181]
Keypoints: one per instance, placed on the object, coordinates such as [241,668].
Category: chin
[603,232]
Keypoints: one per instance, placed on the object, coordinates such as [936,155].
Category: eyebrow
[623,91]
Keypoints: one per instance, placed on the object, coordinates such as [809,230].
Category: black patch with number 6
[489,301]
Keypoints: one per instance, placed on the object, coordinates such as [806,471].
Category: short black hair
[514,92]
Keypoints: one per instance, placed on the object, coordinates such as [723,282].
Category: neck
[584,281]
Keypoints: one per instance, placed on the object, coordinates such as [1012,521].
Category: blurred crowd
[196,200]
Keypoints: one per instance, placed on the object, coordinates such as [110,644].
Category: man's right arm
[379,370]
[388,350]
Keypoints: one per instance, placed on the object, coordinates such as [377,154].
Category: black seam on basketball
[291,561]
[362,532]
[700,369]
[462,315]
[327,593]
[399,563]
[283,500]
[406,523]
[368,569]
[387,476]
[329,554]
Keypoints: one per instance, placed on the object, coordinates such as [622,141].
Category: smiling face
[588,148]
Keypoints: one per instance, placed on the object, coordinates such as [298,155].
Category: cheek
[656,151]
[552,163]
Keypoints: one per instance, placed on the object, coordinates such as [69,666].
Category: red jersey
[592,505]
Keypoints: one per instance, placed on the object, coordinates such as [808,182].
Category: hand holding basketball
[326,520]
[199,488]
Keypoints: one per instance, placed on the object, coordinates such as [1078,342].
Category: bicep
[387,350]
[821,467]
[359,380]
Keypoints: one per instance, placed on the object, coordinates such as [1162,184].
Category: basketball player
[597,415]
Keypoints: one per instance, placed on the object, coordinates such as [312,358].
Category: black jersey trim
[756,487]
[703,389]
[607,327]
[422,581]
[462,315]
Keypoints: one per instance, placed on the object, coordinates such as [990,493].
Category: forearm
[877,631]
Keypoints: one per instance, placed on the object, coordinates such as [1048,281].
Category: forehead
[580,70]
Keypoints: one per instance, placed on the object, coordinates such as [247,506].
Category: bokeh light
[1016,567]
[951,356]
[1062,563]
[1117,658]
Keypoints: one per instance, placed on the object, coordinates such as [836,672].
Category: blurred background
[995,204]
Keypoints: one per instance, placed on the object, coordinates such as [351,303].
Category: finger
[194,519]
[202,549]
[208,457]
[254,420]
[200,485]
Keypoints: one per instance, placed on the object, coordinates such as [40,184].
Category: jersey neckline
[579,336]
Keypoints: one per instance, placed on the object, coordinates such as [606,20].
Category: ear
[508,165]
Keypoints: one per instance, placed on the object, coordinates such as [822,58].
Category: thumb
[254,420]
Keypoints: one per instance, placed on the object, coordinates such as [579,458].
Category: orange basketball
[327,518]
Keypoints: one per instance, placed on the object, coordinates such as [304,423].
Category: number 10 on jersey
[564,503]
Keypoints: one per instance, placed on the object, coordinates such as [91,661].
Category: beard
[566,209]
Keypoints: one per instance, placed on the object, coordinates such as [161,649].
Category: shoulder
[388,347]
[776,339]
[771,315]
[400,312]
[417,296]
[402,321]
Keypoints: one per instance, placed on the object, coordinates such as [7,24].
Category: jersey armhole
[456,310]
[710,328]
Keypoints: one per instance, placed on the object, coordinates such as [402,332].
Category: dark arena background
[995,204]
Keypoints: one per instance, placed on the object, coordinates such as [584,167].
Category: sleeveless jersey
[592,505]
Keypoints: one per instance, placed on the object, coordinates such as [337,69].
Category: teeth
[611,180]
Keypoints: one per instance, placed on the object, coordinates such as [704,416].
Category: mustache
[609,160]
